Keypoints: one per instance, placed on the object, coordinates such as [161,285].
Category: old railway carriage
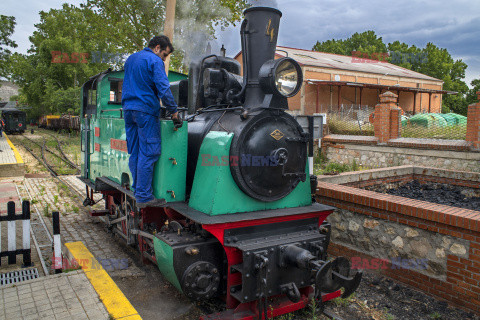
[240,223]
[15,120]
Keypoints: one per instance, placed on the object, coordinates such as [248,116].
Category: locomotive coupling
[330,276]
[334,275]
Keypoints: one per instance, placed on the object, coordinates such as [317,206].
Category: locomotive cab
[104,146]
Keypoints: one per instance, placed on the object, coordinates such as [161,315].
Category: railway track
[73,165]
[39,231]
[62,157]
[41,160]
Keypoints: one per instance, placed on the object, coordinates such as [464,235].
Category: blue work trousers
[144,147]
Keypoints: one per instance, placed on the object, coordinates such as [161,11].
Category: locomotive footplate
[206,219]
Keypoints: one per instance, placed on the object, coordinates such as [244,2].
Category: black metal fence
[350,120]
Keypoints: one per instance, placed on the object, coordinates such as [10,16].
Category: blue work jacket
[146,82]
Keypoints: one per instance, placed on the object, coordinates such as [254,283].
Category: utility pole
[169,26]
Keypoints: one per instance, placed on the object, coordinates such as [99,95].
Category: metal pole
[339,95]
[429,101]
[310,144]
[414,102]
[169,26]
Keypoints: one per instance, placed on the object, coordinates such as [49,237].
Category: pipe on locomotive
[231,96]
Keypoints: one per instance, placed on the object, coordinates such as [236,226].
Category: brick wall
[455,275]
[473,124]
[387,118]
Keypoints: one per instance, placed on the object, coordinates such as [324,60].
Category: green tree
[7,26]
[472,96]
[130,24]
[52,72]
[366,42]
[404,55]
[431,60]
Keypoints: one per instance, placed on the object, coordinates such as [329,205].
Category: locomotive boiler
[241,223]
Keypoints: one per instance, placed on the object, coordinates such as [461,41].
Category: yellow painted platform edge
[111,296]
[15,151]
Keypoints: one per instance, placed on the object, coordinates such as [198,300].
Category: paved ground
[66,296]
[49,195]
[6,153]
[151,295]
[144,286]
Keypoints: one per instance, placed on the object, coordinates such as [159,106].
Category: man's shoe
[152,203]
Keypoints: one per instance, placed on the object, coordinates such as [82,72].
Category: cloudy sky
[454,25]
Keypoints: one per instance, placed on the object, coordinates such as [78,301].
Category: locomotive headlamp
[282,77]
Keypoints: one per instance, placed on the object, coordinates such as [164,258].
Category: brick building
[332,81]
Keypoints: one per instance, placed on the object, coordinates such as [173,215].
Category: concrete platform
[65,296]
[79,294]
[11,163]
[114,300]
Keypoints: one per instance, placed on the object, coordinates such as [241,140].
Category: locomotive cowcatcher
[241,223]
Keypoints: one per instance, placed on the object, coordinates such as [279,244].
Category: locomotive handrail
[81,140]
[115,79]
[204,110]
[106,110]
[119,109]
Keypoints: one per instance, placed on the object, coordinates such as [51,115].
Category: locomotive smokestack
[259,42]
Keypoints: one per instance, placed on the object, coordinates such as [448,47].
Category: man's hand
[177,121]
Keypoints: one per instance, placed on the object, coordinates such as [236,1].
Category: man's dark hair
[163,41]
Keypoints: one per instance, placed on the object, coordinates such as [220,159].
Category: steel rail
[72,164]
[49,167]
[63,157]
[52,172]
[32,233]
[76,193]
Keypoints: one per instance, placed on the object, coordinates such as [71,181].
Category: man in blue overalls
[146,82]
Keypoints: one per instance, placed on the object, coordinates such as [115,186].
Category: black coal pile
[450,195]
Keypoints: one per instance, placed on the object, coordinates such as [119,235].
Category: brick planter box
[434,248]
